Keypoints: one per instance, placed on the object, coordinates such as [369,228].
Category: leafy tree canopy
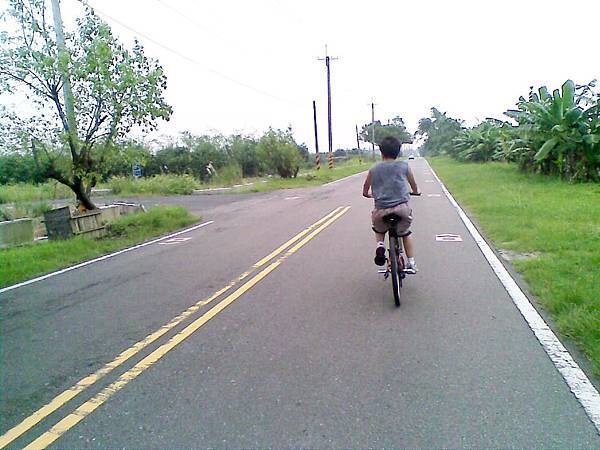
[375,132]
[114,90]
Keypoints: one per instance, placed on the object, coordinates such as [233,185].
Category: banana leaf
[568,94]
[557,106]
[591,139]
[544,95]
[546,149]
[573,115]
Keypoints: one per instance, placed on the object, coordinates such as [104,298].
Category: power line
[191,60]
[200,26]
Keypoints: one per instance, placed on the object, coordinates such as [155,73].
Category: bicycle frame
[395,263]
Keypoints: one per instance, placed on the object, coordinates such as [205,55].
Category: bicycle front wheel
[396,278]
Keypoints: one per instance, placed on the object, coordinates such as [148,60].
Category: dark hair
[390,147]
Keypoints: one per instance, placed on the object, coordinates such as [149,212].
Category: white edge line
[578,382]
[102,258]
[345,178]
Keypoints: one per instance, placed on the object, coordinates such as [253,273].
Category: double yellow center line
[81,412]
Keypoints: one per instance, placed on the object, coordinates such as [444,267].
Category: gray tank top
[389,183]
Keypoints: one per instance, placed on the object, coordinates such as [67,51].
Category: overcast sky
[241,66]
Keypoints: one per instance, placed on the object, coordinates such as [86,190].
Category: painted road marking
[434,195]
[79,387]
[345,178]
[576,379]
[102,258]
[429,181]
[448,237]
[292,198]
[174,241]
[91,405]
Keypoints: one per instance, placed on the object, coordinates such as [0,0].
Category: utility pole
[373,128]
[328,59]
[317,155]
[67,92]
[358,145]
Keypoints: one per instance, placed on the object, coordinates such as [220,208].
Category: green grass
[557,220]
[22,209]
[307,178]
[23,192]
[155,185]
[25,262]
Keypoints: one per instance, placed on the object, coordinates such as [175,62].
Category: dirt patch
[509,255]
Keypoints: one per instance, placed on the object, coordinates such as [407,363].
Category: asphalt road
[311,353]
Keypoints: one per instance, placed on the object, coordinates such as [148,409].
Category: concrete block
[14,232]
[58,223]
[110,212]
[129,208]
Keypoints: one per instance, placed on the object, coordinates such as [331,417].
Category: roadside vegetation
[552,226]
[25,196]
[312,177]
[31,260]
[554,134]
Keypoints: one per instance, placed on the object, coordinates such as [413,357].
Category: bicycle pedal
[381,270]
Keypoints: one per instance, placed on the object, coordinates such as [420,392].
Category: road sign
[137,170]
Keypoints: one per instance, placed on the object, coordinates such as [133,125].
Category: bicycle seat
[391,218]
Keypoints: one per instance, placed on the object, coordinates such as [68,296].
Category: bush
[158,184]
[243,150]
[278,153]
[228,175]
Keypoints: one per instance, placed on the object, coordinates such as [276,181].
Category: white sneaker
[410,268]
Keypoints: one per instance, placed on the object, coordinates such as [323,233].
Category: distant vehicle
[411,156]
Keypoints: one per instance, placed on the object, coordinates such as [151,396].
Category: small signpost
[137,171]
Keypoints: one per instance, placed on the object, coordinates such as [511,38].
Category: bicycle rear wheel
[396,278]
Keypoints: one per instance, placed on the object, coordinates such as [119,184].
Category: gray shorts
[402,210]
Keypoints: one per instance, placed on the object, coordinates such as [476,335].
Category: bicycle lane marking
[89,380]
[91,405]
[576,379]
[345,178]
[102,258]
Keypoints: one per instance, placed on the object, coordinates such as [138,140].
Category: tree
[243,150]
[559,133]
[114,89]
[395,128]
[439,131]
[278,152]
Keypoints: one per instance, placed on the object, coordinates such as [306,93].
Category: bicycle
[395,265]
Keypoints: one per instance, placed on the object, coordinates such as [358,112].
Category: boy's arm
[411,180]
[367,186]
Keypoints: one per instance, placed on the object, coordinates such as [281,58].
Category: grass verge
[312,177]
[24,192]
[28,261]
[557,221]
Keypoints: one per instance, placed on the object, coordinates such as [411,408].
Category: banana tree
[481,143]
[560,131]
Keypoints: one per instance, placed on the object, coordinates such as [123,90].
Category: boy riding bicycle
[387,181]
